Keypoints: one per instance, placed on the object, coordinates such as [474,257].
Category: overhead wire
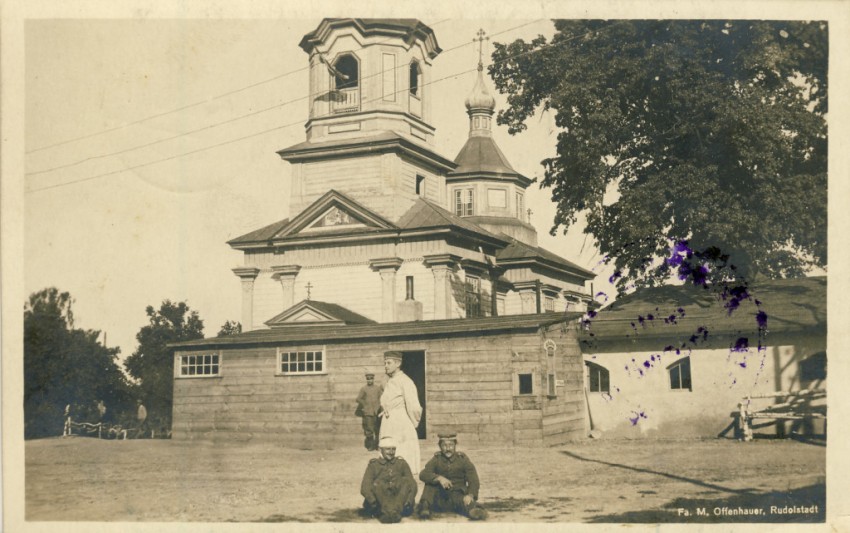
[230,120]
[269,130]
[189,106]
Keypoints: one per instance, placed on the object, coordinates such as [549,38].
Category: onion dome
[480,99]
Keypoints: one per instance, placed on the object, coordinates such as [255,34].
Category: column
[286,275]
[441,266]
[387,268]
[248,275]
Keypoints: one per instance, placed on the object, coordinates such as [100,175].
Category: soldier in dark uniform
[388,486]
[451,483]
[368,405]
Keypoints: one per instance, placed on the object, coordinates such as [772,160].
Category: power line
[185,107]
[234,119]
[141,165]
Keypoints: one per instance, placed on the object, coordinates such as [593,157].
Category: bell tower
[369,133]
[370,75]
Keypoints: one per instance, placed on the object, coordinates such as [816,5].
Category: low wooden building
[512,379]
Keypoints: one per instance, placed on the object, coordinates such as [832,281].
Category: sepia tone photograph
[442,270]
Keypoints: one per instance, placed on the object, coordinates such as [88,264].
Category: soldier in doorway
[451,483]
[388,487]
[368,405]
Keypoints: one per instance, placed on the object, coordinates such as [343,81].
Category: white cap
[387,442]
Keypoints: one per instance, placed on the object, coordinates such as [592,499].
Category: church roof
[481,157]
[378,142]
[263,234]
[313,312]
[674,311]
[369,332]
[406,28]
[518,251]
[425,214]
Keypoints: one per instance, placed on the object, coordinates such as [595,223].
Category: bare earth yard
[590,481]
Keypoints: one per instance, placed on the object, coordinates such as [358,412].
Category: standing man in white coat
[401,411]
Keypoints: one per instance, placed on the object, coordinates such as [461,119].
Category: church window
[680,374]
[598,378]
[415,79]
[409,288]
[420,185]
[525,383]
[473,297]
[346,83]
[464,199]
[347,72]
[199,365]
[519,206]
[549,304]
[297,362]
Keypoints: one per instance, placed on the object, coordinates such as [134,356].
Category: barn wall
[641,402]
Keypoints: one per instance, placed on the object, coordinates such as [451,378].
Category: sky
[121,227]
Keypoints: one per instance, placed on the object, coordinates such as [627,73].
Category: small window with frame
[199,365]
[297,362]
[680,374]
[526,384]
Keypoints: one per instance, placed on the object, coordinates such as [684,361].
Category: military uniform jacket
[458,469]
[381,472]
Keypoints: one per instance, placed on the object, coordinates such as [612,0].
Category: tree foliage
[230,328]
[65,366]
[152,363]
[706,132]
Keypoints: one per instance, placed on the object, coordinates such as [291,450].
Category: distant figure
[141,418]
[401,411]
[101,409]
[368,405]
[451,483]
[388,486]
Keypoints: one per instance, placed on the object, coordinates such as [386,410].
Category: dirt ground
[645,481]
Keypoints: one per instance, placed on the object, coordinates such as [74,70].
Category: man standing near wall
[368,405]
[401,410]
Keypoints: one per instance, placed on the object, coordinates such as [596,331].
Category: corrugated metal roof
[410,330]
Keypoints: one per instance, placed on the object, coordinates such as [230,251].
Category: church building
[391,245]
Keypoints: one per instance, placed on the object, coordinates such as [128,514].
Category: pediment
[311,312]
[334,212]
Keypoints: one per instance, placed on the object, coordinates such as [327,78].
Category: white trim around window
[198,365]
[301,361]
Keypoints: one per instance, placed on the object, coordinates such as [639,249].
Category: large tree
[710,132]
[65,366]
[152,363]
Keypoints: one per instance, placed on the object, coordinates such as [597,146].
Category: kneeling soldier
[451,483]
[388,485]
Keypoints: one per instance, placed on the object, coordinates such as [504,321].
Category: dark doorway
[413,364]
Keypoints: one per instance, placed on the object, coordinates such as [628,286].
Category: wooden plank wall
[469,390]
[564,416]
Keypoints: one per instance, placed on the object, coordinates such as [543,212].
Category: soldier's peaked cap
[393,355]
[370,375]
[447,436]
